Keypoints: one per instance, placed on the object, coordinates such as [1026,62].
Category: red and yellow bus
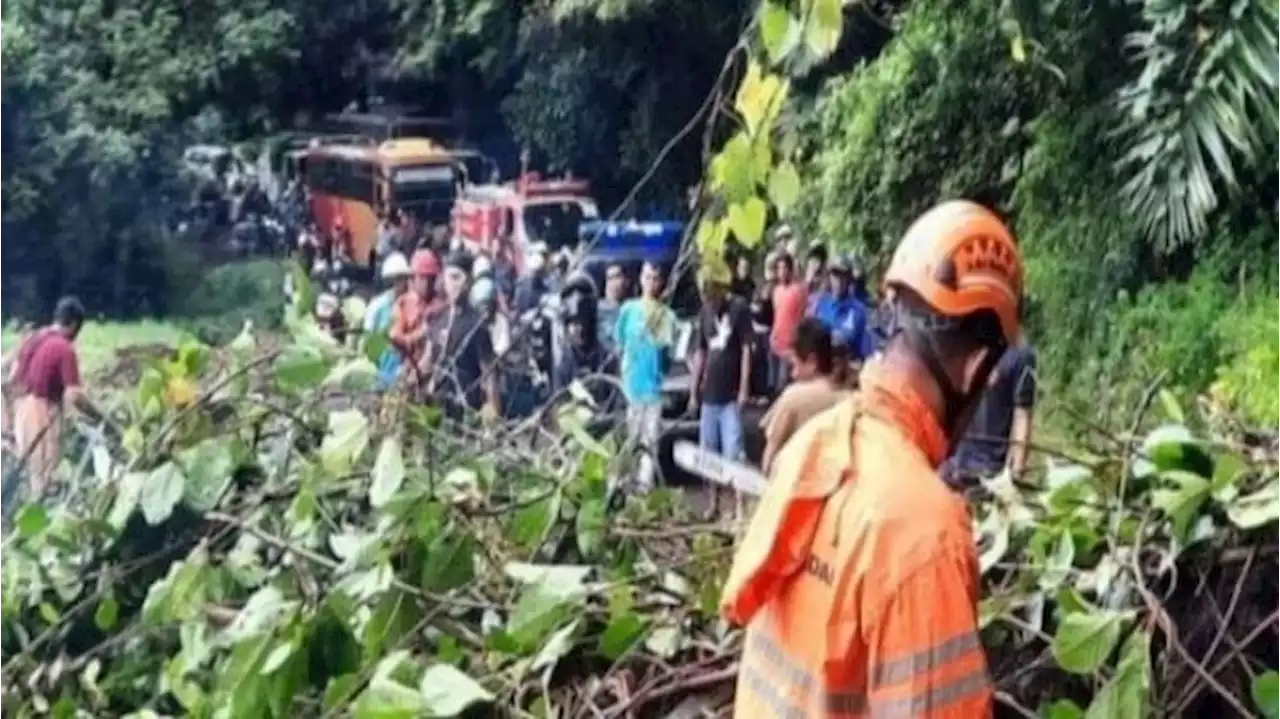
[351,184]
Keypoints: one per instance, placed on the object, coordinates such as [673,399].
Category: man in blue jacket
[843,313]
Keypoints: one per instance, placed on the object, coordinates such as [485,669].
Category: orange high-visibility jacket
[858,577]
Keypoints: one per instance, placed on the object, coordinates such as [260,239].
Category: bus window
[425,191]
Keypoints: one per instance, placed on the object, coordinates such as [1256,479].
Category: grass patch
[99,341]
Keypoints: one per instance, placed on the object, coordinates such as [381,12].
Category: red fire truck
[505,221]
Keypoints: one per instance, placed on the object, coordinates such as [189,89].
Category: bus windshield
[556,223]
[425,191]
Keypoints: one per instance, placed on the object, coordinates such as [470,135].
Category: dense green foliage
[1042,134]
[102,98]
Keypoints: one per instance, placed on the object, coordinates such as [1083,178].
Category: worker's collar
[889,394]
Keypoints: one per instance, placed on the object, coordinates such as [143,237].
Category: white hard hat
[481,266]
[482,292]
[326,306]
[395,266]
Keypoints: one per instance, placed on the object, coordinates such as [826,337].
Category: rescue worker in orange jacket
[858,577]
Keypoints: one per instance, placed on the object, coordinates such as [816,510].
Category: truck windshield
[425,191]
[556,223]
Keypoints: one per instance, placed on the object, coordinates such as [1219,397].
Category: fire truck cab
[506,221]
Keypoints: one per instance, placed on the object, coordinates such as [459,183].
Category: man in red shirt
[46,375]
[790,298]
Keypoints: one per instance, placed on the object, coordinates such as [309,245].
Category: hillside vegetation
[271,540]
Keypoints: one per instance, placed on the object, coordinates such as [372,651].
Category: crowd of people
[856,579]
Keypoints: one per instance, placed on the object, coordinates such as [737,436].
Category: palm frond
[1202,109]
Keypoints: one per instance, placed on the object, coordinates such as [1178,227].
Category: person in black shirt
[721,367]
[743,285]
[460,356]
[1000,431]
[583,354]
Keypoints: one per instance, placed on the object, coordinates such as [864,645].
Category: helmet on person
[425,263]
[959,259]
[578,301]
[840,265]
[395,266]
[326,306]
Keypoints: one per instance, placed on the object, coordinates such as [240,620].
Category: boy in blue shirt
[644,335]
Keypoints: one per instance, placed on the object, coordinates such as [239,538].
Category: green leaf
[394,616]
[1254,510]
[277,657]
[161,492]
[32,519]
[1058,564]
[540,609]
[711,236]
[621,634]
[1062,709]
[1171,407]
[388,473]
[822,32]
[386,698]
[590,525]
[1182,502]
[777,32]
[1266,694]
[107,614]
[260,614]
[784,187]
[556,647]
[1172,446]
[354,376]
[732,169]
[529,523]
[447,692]
[208,468]
[375,344]
[1227,471]
[346,440]
[450,562]
[1125,696]
[1084,641]
[760,98]
[300,368]
[746,220]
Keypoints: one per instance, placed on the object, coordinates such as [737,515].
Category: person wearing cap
[44,380]
[377,318]
[858,578]
[460,355]
[413,309]
[842,313]
[721,366]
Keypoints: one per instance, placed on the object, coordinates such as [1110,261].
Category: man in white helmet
[377,318]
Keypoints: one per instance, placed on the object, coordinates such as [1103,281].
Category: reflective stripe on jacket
[857,579]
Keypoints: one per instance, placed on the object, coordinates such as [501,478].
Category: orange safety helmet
[959,258]
[425,264]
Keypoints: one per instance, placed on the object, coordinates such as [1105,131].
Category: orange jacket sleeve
[925,655]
